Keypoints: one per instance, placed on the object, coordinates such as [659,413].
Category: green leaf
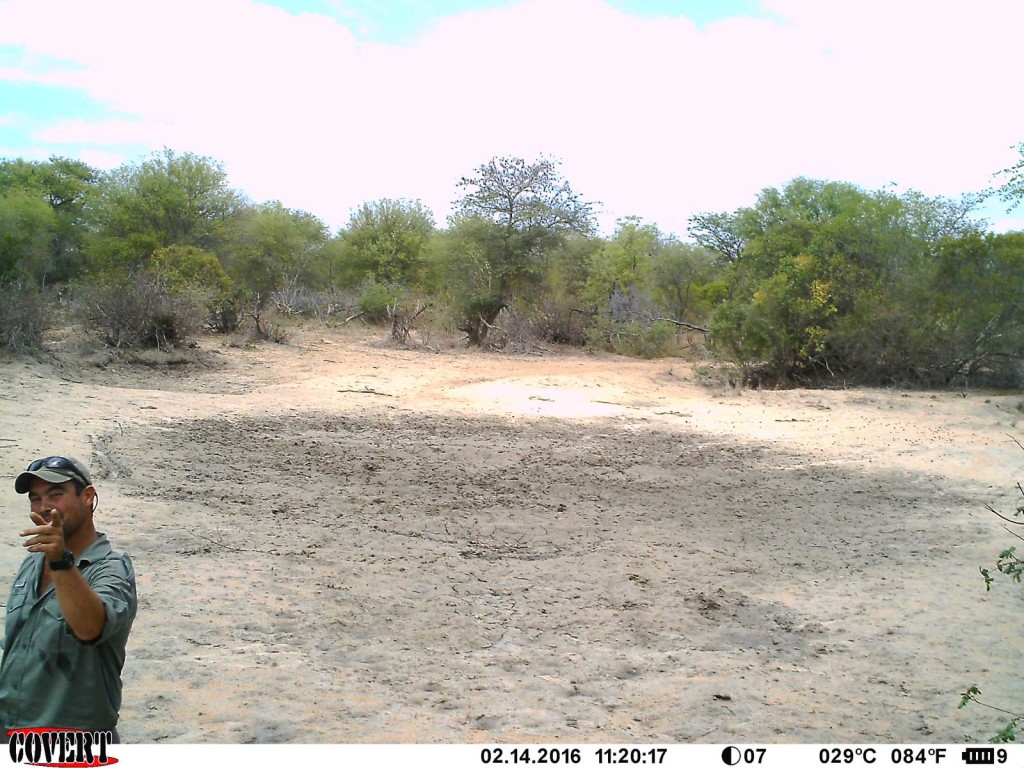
[1008,734]
[968,695]
[988,579]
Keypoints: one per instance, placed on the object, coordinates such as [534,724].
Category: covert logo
[62,747]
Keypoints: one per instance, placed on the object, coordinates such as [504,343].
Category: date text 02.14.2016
[572,755]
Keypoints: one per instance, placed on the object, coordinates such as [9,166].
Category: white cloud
[112,132]
[98,158]
[653,117]
[33,153]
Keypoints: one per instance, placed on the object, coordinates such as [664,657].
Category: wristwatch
[68,561]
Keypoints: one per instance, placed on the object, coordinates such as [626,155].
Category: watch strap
[66,562]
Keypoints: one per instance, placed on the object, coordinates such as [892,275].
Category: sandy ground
[341,541]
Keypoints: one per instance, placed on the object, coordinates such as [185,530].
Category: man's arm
[82,608]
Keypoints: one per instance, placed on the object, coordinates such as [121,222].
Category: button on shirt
[49,678]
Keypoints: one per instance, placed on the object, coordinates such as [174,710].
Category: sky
[654,108]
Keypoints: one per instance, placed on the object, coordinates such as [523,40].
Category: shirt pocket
[15,601]
[58,627]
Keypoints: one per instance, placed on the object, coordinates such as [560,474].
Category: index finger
[56,517]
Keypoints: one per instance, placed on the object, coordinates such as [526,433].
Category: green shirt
[48,677]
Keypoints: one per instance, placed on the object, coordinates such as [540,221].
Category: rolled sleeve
[113,581]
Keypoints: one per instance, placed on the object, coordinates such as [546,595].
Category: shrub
[26,313]
[636,338]
[403,320]
[180,267]
[226,316]
[377,298]
[515,330]
[562,324]
[267,329]
[141,311]
[322,305]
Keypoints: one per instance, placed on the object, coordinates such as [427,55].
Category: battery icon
[980,756]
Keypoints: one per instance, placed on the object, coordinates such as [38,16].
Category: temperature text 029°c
[841,756]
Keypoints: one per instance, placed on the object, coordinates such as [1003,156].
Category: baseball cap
[53,469]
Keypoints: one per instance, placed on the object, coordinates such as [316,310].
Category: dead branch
[489,326]
[683,325]
[401,326]
[220,543]
[1020,488]
[366,391]
[539,350]
[1015,535]
[991,509]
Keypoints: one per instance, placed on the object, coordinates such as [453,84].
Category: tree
[836,280]
[27,229]
[43,247]
[181,289]
[719,233]
[977,306]
[562,308]
[640,287]
[1012,190]
[386,241]
[168,199]
[684,278]
[462,275]
[274,247]
[523,212]
[619,286]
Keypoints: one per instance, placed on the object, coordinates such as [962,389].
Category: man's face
[46,497]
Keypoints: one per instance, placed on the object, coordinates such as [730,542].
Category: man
[69,612]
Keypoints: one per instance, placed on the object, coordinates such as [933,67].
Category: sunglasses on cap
[58,462]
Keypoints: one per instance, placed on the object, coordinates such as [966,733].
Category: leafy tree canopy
[524,197]
[832,280]
[41,247]
[168,199]
[274,247]
[386,240]
[524,212]
[1012,190]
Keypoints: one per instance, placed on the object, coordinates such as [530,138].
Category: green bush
[376,298]
[226,316]
[180,267]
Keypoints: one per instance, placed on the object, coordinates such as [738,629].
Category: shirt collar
[98,550]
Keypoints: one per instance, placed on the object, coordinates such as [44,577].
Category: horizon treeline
[819,282]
